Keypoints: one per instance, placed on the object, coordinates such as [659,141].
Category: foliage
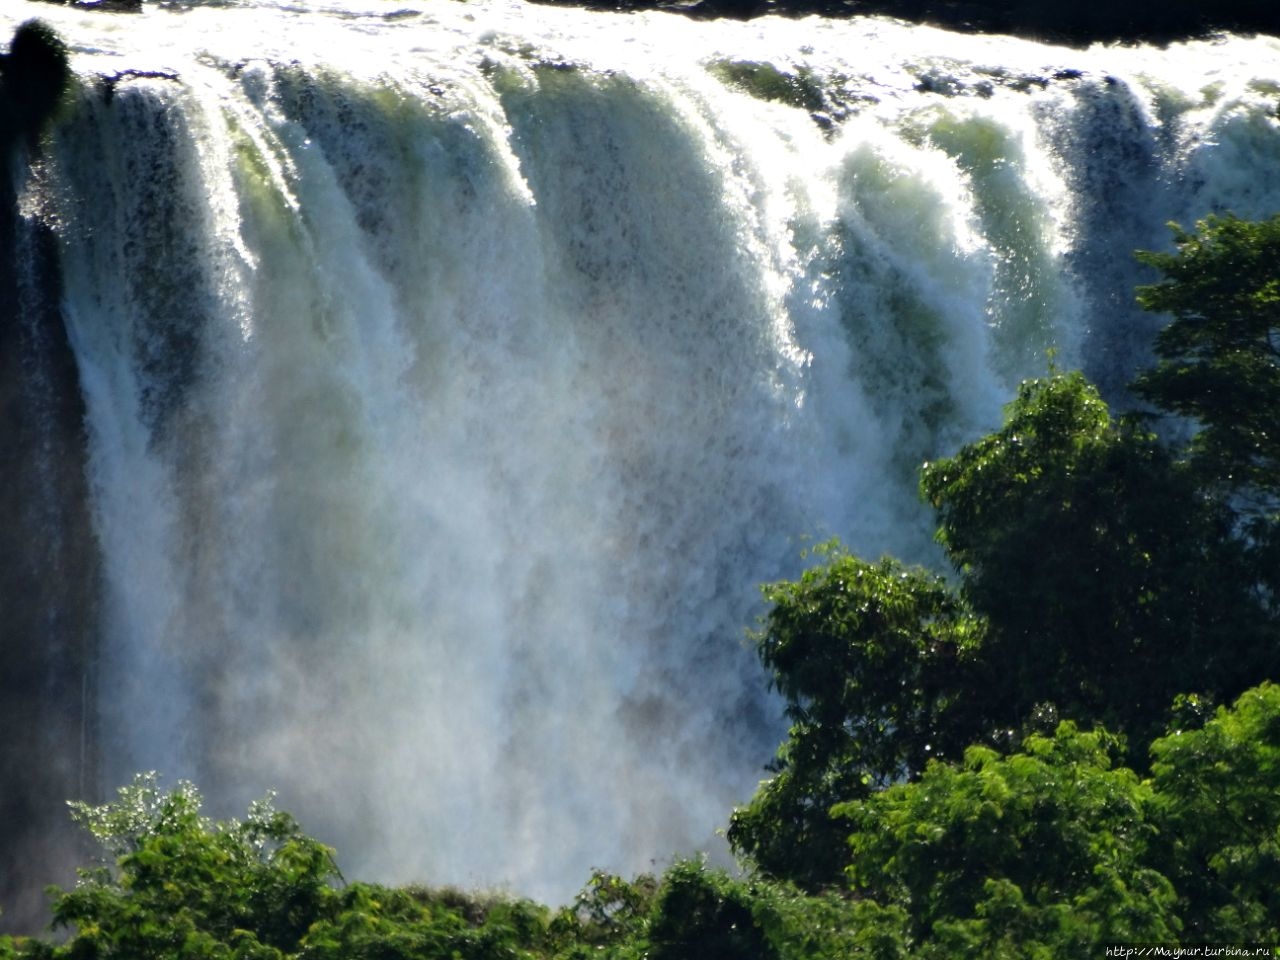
[703,913]
[177,884]
[1054,851]
[1217,806]
[1041,850]
[1106,578]
[373,922]
[212,890]
[1049,851]
[608,912]
[871,659]
[1087,557]
[830,924]
[1220,366]
[1122,567]
[181,883]
[1220,355]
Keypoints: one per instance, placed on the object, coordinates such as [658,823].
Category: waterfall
[447,379]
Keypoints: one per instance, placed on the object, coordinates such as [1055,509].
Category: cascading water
[451,376]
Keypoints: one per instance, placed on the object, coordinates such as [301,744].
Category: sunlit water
[455,372]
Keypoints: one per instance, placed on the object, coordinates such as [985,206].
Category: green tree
[1038,853]
[1097,582]
[179,884]
[1110,582]
[1220,355]
[703,914]
[373,922]
[1220,366]
[875,661]
[176,884]
[609,913]
[1217,806]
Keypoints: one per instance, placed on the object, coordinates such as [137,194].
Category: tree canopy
[1220,355]
[873,660]
[1043,850]
[1095,582]
[1097,559]
[1105,578]
[1053,849]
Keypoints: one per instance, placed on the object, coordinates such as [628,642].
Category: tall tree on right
[1220,366]
[1220,355]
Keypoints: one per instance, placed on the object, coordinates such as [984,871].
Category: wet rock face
[48,579]
[47,575]
[48,564]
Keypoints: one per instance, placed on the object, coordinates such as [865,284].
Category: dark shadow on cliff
[48,557]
